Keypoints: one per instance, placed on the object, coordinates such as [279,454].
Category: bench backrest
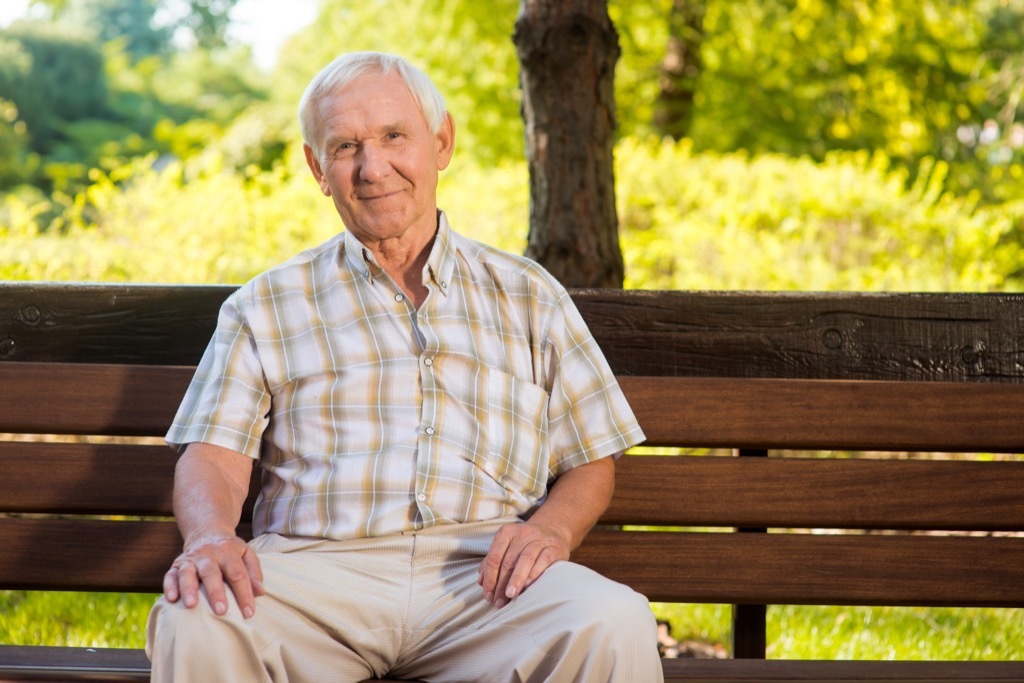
[101,369]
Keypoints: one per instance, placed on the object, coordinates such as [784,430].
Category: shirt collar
[440,263]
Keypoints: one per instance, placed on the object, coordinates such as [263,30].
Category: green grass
[794,632]
[76,619]
[811,632]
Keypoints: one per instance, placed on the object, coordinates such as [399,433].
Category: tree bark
[567,53]
[680,69]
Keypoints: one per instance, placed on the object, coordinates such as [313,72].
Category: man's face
[380,161]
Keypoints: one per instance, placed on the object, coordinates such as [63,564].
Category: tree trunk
[567,53]
[680,69]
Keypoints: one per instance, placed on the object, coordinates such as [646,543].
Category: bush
[687,221]
[729,221]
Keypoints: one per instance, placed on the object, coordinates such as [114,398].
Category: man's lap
[409,604]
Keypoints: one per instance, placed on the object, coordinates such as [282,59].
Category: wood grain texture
[765,413]
[828,414]
[41,554]
[86,478]
[811,569]
[64,664]
[900,336]
[126,479]
[86,554]
[85,398]
[818,493]
[729,370]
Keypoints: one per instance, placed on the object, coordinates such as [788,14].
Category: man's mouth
[377,195]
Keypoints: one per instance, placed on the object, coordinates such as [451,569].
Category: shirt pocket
[517,434]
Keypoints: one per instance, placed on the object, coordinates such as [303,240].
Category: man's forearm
[520,553]
[210,486]
[577,499]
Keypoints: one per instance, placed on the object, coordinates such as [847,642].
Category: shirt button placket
[429,409]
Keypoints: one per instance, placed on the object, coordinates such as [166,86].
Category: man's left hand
[519,554]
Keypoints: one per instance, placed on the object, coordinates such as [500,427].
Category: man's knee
[623,617]
[601,610]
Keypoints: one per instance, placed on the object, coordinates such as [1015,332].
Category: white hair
[347,68]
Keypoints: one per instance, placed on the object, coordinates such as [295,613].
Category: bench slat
[720,567]
[853,335]
[41,398]
[811,569]
[818,493]
[680,411]
[42,663]
[86,478]
[33,663]
[815,414]
[751,670]
[83,554]
[121,479]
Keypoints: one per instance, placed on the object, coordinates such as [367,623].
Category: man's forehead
[380,99]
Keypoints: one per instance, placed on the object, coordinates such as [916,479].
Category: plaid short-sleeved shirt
[370,417]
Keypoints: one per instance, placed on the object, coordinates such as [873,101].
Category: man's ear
[445,142]
[318,172]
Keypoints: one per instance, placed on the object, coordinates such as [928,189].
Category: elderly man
[435,430]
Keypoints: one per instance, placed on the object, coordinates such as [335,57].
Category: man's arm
[210,487]
[522,552]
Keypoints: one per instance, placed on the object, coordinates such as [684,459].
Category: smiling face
[380,161]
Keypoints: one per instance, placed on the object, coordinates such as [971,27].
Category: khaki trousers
[407,606]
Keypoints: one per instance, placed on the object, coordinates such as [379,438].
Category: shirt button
[428,361]
[399,297]
[430,431]
[422,497]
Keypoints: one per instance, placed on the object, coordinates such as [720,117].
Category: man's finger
[212,579]
[490,567]
[252,565]
[188,583]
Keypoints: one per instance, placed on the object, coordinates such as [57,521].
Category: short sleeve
[589,417]
[228,402]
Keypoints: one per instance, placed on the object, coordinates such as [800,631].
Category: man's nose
[373,163]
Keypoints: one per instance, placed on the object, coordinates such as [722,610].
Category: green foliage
[688,221]
[207,20]
[55,76]
[131,22]
[888,77]
[204,222]
[465,46]
[802,77]
[17,164]
[730,221]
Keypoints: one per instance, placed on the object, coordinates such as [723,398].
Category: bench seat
[784,463]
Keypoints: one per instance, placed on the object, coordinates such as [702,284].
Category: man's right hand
[216,563]
[210,486]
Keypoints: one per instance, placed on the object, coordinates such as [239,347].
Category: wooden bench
[761,378]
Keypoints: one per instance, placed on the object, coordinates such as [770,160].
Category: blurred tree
[207,21]
[680,68]
[147,27]
[52,75]
[465,46]
[16,165]
[567,51]
[133,22]
[802,77]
